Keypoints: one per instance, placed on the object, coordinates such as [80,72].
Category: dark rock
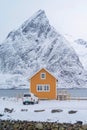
[72,112]
[8,110]
[39,110]
[56,110]
[79,122]
[24,109]
[1,115]
[26,125]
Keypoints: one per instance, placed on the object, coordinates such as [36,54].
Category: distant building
[63,95]
[44,85]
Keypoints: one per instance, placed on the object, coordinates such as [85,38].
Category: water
[81,92]
[18,92]
[12,92]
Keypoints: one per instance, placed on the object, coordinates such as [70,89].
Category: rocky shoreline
[26,125]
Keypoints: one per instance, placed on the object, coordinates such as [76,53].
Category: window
[39,88]
[46,87]
[43,88]
[27,95]
[43,75]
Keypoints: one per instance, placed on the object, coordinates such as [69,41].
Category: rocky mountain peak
[37,21]
[81,42]
[37,24]
[37,44]
[39,13]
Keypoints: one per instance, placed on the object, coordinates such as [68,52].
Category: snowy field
[44,108]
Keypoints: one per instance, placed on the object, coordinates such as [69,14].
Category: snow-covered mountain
[36,44]
[81,42]
[80,47]
[82,51]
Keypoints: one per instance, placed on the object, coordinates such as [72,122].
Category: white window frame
[38,88]
[44,76]
[47,88]
[43,87]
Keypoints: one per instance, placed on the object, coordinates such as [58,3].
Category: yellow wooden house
[44,85]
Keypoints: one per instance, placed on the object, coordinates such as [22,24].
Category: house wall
[36,79]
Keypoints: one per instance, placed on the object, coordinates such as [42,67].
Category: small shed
[63,95]
[44,85]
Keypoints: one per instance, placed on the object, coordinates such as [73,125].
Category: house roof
[46,71]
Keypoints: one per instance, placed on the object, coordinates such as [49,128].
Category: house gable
[43,84]
[43,71]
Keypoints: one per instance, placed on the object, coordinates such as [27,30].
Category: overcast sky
[67,16]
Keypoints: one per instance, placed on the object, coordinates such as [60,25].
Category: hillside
[36,44]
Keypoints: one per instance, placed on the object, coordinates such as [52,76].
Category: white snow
[8,81]
[81,50]
[35,45]
[79,105]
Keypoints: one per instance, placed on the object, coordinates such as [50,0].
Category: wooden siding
[51,80]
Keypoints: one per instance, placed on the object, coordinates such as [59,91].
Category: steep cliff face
[80,45]
[36,44]
[81,42]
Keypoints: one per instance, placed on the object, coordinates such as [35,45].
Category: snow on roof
[45,70]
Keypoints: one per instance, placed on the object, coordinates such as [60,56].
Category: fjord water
[77,92]
[12,92]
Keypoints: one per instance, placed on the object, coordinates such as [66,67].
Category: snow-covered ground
[27,112]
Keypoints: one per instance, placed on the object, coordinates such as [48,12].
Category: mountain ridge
[80,46]
[36,44]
